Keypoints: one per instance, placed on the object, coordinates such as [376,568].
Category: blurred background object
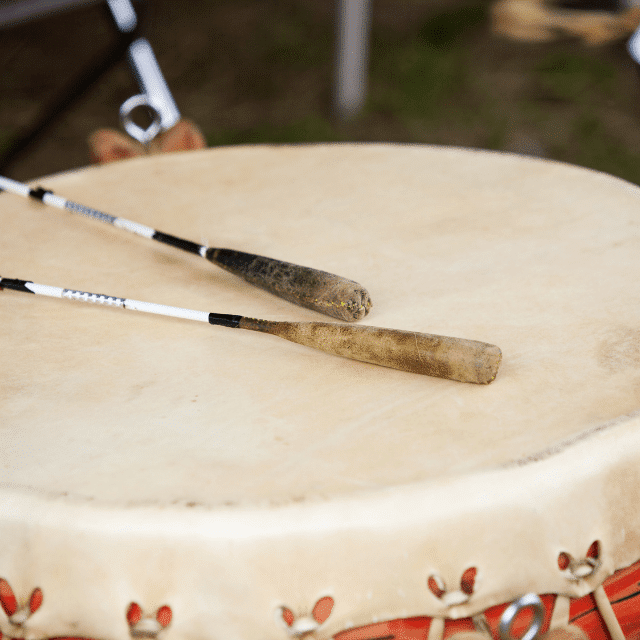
[352,56]
[596,22]
[144,116]
[264,71]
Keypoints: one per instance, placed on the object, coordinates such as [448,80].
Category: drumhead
[246,469]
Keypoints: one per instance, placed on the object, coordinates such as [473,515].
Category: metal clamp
[145,136]
[155,94]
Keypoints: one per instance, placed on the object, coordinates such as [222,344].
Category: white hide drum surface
[229,473]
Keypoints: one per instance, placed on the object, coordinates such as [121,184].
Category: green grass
[445,31]
[314,128]
[571,76]
[597,149]
[424,87]
[255,76]
[6,138]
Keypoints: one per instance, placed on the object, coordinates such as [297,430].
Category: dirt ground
[244,70]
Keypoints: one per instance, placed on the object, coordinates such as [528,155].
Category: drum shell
[111,414]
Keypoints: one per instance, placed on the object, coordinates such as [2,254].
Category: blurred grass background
[261,71]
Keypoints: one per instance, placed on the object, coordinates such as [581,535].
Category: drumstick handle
[318,290]
[440,356]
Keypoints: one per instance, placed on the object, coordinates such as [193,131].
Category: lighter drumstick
[431,355]
[311,288]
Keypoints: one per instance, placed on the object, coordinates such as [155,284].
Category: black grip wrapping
[15,285]
[179,243]
[225,320]
[310,288]
[39,193]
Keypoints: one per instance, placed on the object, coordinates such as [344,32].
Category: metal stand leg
[354,17]
[72,90]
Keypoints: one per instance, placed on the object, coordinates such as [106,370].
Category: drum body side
[230,572]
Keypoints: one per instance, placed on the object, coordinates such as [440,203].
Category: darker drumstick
[311,288]
[431,355]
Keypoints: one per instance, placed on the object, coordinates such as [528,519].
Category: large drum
[167,478]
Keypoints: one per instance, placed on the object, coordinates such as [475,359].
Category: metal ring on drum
[528,601]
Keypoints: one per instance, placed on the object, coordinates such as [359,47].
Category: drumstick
[440,356]
[318,290]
